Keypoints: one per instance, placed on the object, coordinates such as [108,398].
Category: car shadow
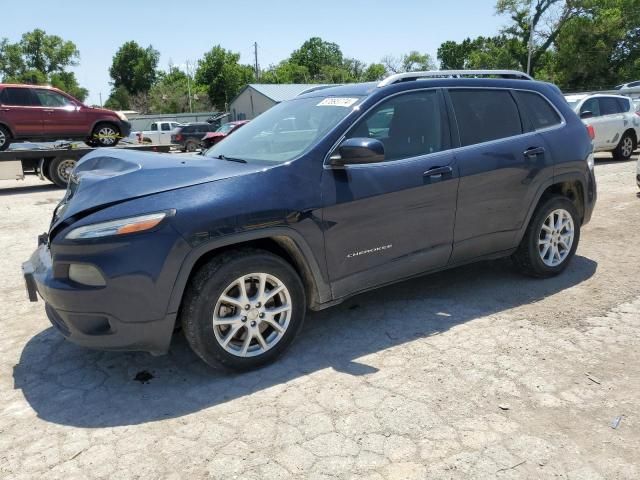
[70,385]
[44,187]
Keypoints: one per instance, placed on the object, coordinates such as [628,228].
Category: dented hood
[109,176]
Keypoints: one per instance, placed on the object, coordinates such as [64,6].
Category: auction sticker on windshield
[337,102]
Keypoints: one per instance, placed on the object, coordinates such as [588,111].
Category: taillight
[178,137]
[591,131]
[638,113]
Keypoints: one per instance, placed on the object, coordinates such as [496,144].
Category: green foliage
[171,93]
[374,72]
[410,62]
[222,75]
[482,52]
[120,99]
[41,59]
[316,54]
[286,72]
[134,68]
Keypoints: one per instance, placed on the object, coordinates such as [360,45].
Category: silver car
[614,119]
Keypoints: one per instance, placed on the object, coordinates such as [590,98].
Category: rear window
[537,110]
[20,97]
[485,115]
[188,129]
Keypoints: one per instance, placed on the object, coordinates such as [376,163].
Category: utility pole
[189,87]
[255,54]
[100,93]
[530,46]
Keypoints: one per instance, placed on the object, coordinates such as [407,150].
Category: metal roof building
[257,98]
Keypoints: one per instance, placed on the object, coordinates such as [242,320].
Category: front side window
[592,106]
[47,98]
[286,130]
[537,110]
[485,115]
[409,125]
[154,127]
[19,97]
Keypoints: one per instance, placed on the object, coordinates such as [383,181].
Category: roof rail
[408,76]
[319,87]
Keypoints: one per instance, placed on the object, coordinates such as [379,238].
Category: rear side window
[186,129]
[609,106]
[20,97]
[165,127]
[409,125]
[539,113]
[485,115]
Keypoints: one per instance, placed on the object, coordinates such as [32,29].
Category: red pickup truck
[39,114]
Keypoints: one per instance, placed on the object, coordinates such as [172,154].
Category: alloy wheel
[107,135]
[252,314]
[3,138]
[556,237]
[627,147]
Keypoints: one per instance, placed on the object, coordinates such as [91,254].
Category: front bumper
[78,312]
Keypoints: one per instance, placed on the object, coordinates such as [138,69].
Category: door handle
[48,110]
[4,109]
[438,172]
[533,151]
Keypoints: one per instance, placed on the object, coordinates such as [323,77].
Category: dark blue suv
[336,192]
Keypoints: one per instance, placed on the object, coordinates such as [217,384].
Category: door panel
[386,221]
[18,111]
[498,182]
[61,115]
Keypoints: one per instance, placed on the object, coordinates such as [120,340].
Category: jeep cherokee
[369,184]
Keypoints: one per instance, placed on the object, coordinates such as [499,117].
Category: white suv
[614,120]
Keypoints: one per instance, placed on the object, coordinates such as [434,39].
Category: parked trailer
[54,164]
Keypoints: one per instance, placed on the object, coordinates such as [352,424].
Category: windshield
[227,127]
[573,104]
[285,131]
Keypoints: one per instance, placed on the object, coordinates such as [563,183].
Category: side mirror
[356,151]
[586,114]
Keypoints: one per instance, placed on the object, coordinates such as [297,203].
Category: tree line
[577,44]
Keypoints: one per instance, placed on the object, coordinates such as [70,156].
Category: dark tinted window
[408,125]
[165,127]
[537,110]
[154,127]
[624,103]
[188,129]
[592,105]
[634,84]
[16,96]
[485,115]
[609,106]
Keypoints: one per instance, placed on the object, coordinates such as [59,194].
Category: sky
[184,31]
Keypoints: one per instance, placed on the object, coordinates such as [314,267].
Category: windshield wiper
[231,159]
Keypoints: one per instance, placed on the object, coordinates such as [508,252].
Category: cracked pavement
[477,372]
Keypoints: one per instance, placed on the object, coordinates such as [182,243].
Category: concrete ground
[476,372]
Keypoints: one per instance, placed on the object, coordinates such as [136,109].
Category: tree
[316,54]
[410,62]
[546,17]
[171,94]
[480,53]
[285,72]
[374,72]
[223,75]
[119,99]
[41,59]
[134,68]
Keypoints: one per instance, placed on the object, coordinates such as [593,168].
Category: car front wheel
[551,238]
[105,135]
[243,309]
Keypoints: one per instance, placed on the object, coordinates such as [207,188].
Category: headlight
[117,227]
[122,116]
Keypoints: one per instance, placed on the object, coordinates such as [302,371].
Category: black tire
[212,280]
[625,147]
[5,138]
[528,256]
[191,146]
[59,171]
[105,135]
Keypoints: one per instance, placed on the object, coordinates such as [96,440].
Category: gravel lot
[472,373]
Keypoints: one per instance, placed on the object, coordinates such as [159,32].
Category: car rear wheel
[625,148]
[550,240]
[243,309]
[5,138]
[60,171]
[191,146]
[105,135]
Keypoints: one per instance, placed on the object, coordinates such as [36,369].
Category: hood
[108,176]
